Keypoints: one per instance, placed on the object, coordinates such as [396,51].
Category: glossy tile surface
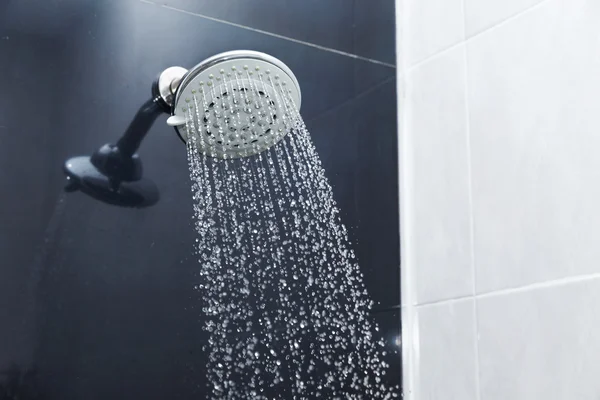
[357,142]
[361,27]
[440,218]
[446,349]
[484,14]
[99,299]
[390,329]
[532,87]
[374,29]
[432,26]
[541,344]
[535,171]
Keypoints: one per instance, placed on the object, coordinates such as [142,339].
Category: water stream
[284,301]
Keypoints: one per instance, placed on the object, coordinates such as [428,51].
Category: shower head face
[236,104]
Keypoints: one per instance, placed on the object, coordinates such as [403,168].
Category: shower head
[232,105]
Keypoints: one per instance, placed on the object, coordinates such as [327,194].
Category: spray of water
[283,296]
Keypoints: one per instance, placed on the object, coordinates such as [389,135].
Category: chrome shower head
[234,104]
[231,105]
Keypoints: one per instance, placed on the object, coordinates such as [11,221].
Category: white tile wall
[483,14]
[519,321]
[447,356]
[434,25]
[440,195]
[541,344]
[534,97]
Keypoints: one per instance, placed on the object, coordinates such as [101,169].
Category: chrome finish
[234,55]
[168,82]
[243,126]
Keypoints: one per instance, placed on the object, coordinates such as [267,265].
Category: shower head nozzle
[235,104]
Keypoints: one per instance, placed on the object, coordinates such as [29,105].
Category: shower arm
[129,143]
[163,94]
[119,162]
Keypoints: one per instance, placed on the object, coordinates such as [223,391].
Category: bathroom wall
[500,191]
[99,299]
[361,28]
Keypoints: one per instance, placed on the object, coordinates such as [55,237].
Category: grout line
[542,285]
[470,38]
[350,100]
[504,21]
[445,300]
[434,56]
[518,289]
[375,311]
[471,214]
[343,53]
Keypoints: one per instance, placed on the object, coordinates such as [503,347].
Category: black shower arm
[163,94]
[129,143]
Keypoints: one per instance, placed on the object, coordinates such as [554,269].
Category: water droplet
[276,267]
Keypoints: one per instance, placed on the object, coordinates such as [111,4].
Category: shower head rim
[234,55]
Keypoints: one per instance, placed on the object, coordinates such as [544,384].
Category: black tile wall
[362,27]
[390,330]
[357,143]
[98,298]
[375,29]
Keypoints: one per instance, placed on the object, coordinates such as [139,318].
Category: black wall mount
[113,173]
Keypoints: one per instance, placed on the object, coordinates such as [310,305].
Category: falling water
[284,301]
